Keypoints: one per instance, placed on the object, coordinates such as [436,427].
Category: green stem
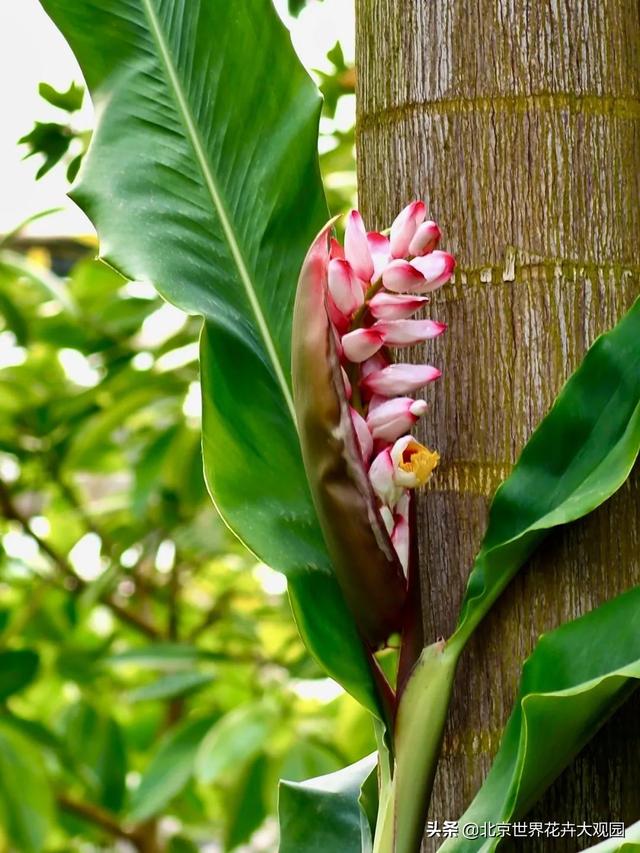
[418,738]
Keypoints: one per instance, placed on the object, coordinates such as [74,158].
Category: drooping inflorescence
[376,284]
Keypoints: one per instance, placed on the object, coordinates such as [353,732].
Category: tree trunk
[518,122]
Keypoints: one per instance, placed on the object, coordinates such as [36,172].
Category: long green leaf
[18,668]
[575,678]
[25,797]
[203,179]
[325,813]
[579,455]
[234,740]
[170,769]
[629,844]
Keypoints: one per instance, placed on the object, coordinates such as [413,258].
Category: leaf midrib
[216,198]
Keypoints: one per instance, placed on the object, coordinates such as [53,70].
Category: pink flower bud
[404,228]
[398,379]
[335,249]
[339,320]
[387,518]
[390,419]
[425,239]
[347,385]
[400,536]
[381,478]
[380,253]
[356,247]
[373,364]
[403,277]
[344,287]
[398,333]
[361,344]
[436,268]
[391,306]
[365,441]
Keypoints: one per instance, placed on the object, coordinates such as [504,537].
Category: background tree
[518,123]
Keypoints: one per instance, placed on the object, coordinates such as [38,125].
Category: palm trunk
[518,122]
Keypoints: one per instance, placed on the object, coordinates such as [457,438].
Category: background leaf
[69,101]
[232,169]
[629,844]
[234,740]
[170,769]
[25,799]
[17,670]
[579,455]
[575,678]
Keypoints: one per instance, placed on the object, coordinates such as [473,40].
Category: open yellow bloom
[418,462]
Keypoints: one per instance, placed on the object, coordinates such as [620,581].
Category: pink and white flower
[400,333]
[425,239]
[395,306]
[399,379]
[404,228]
[421,275]
[390,419]
[344,287]
[356,247]
[361,344]
[363,434]
[374,287]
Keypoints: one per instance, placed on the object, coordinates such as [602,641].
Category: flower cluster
[376,284]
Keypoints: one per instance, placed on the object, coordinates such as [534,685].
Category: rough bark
[518,121]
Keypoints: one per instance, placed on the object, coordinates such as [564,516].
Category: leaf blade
[324,813]
[201,183]
[575,678]
[580,454]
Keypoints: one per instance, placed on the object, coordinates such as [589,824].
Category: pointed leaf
[170,686]
[325,813]
[234,740]
[575,678]
[18,668]
[363,555]
[170,769]
[580,454]
[204,181]
[69,101]
[629,844]
[25,798]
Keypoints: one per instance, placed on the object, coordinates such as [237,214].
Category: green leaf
[180,844]
[247,806]
[296,6]
[324,813]
[25,798]
[234,740]
[17,264]
[170,769]
[170,686]
[201,180]
[629,844]
[579,455]
[17,670]
[96,741]
[50,139]
[70,101]
[575,678]
[162,656]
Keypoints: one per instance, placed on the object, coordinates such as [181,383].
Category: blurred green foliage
[153,688]
[152,684]
[56,141]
